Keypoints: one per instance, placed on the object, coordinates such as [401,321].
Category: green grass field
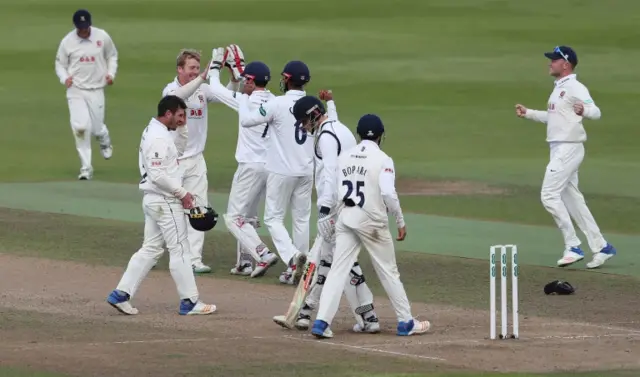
[443,75]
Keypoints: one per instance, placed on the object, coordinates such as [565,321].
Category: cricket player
[86,62]
[191,86]
[164,203]
[569,103]
[331,138]
[366,180]
[249,182]
[289,163]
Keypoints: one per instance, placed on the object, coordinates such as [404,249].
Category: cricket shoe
[303,322]
[321,330]
[120,301]
[106,151]
[199,308]
[268,259]
[299,261]
[282,321]
[602,256]
[286,277]
[201,268]
[571,256]
[413,327]
[242,269]
[85,175]
[371,326]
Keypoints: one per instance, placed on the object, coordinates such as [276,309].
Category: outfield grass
[443,74]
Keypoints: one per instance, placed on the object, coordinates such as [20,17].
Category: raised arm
[219,93]
[387,182]
[156,163]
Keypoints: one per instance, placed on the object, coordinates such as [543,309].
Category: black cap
[565,53]
[370,127]
[297,71]
[305,106]
[82,19]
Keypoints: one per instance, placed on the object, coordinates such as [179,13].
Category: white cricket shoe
[120,301]
[321,330]
[571,256]
[243,269]
[413,327]
[602,256]
[85,175]
[303,322]
[106,151]
[199,308]
[286,277]
[269,259]
[368,327]
[200,268]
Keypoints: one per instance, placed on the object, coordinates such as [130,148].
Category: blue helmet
[370,127]
[258,72]
[295,72]
[308,108]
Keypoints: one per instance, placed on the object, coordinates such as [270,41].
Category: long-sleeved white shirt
[332,139]
[158,160]
[563,124]
[290,151]
[366,175]
[88,61]
[252,141]
[197,95]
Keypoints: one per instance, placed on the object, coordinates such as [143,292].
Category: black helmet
[202,218]
[308,108]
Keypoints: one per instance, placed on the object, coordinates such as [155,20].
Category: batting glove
[235,61]
[326,225]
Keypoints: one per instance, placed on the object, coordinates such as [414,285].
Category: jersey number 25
[359,192]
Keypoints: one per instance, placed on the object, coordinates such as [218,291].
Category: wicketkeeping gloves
[235,61]
[326,225]
[218,57]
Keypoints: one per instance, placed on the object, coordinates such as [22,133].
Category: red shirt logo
[99,43]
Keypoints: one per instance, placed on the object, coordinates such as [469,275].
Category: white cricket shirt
[252,141]
[87,61]
[197,116]
[332,139]
[290,151]
[158,161]
[366,175]
[563,124]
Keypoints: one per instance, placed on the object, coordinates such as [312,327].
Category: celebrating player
[569,103]
[331,138]
[164,202]
[191,86]
[290,170]
[87,61]
[249,181]
[367,190]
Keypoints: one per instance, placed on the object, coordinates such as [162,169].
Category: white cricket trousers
[164,223]
[86,113]
[284,192]
[248,189]
[562,199]
[194,180]
[355,229]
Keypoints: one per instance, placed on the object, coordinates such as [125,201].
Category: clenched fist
[325,95]
[520,110]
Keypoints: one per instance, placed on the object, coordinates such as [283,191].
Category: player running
[289,163]
[249,181]
[366,181]
[331,138]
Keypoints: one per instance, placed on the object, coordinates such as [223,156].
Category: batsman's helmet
[559,287]
[370,127]
[295,72]
[202,218]
[258,72]
[308,108]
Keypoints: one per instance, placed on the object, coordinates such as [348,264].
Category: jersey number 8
[359,193]
[300,135]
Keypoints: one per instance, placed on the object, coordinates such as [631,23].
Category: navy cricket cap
[370,127]
[82,19]
[305,106]
[297,71]
[563,52]
[257,71]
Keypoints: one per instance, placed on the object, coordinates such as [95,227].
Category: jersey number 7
[359,192]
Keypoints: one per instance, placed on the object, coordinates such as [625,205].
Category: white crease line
[615,328]
[361,348]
